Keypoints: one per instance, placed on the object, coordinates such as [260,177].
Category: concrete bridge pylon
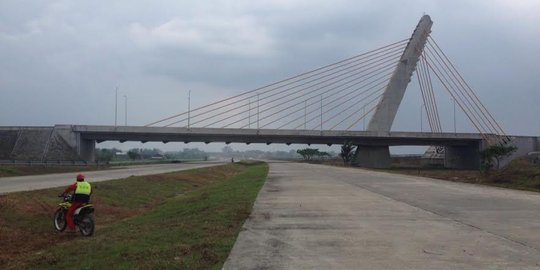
[385,112]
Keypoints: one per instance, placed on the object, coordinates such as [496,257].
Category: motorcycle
[83,216]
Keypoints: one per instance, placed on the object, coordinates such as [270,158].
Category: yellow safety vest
[83,187]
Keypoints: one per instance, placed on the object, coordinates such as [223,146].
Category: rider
[81,195]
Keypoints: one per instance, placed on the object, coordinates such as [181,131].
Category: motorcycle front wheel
[60,220]
[87,225]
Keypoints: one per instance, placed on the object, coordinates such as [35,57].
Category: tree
[134,154]
[347,152]
[496,152]
[104,155]
[322,155]
[308,153]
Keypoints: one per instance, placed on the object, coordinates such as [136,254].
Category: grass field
[181,220]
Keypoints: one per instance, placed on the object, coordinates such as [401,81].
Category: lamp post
[364,116]
[116,106]
[257,111]
[125,110]
[455,130]
[305,114]
[421,118]
[321,112]
[189,109]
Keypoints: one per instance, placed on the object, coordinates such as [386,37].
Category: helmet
[80,177]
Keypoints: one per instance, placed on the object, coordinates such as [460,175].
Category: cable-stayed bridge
[328,105]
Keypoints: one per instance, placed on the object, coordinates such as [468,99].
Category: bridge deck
[182,134]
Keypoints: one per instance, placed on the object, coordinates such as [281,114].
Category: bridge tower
[374,156]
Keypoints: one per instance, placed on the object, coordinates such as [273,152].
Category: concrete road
[320,217]
[21,183]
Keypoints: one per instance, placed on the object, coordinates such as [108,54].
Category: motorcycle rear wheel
[87,225]
[60,222]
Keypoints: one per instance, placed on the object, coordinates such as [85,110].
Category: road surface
[319,217]
[21,183]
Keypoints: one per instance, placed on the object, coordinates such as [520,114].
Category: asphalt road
[319,217]
[21,183]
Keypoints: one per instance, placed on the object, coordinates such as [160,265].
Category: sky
[61,61]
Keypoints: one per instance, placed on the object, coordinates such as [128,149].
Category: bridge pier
[86,149]
[462,157]
[372,156]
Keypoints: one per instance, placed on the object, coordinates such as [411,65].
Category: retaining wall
[45,144]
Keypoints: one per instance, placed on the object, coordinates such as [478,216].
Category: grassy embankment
[180,220]
[519,174]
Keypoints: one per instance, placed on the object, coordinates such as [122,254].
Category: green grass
[183,220]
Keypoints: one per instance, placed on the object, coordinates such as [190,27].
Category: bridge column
[86,149]
[372,156]
[462,157]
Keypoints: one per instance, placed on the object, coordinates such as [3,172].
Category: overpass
[78,141]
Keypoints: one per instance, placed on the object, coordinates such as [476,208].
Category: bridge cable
[309,73]
[377,97]
[459,94]
[461,91]
[467,113]
[354,101]
[340,97]
[340,104]
[501,131]
[280,92]
[289,99]
[422,82]
[430,88]
[360,109]
[428,96]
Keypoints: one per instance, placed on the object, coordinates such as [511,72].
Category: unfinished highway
[320,217]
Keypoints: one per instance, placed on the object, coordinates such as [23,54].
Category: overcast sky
[60,61]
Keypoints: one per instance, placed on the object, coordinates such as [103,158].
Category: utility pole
[116,107]
[189,108]
[125,112]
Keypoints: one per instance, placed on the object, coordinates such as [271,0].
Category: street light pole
[189,109]
[116,106]
[421,118]
[257,110]
[364,116]
[321,112]
[455,131]
[125,113]
[305,114]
